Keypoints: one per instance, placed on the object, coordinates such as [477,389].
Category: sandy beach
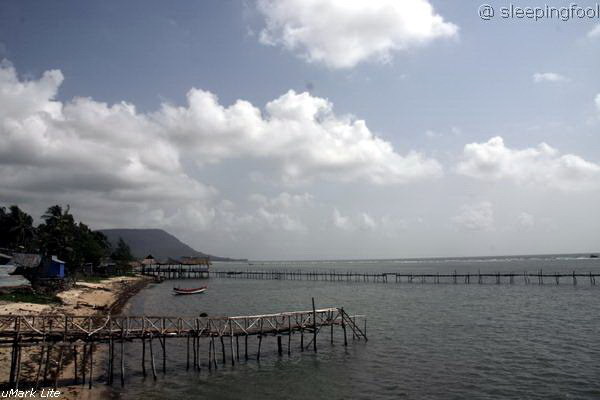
[106,296]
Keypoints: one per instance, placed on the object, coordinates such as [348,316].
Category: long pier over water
[75,338]
[527,278]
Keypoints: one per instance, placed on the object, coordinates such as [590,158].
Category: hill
[159,243]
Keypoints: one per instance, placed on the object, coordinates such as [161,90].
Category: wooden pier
[175,271]
[526,278]
[62,337]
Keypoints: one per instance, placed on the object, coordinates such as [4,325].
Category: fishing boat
[190,291]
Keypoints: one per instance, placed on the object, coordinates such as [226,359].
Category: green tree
[88,246]
[122,253]
[57,234]
[4,228]
[16,228]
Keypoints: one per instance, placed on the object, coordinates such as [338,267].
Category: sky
[305,129]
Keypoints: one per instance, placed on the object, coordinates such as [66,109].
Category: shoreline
[108,296]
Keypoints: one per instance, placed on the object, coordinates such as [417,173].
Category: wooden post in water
[196,344]
[289,335]
[194,351]
[152,359]
[197,352]
[279,348]
[259,340]
[163,343]
[314,325]
[331,334]
[222,348]
[344,328]
[143,356]
[187,353]
[231,343]
[302,335]
[210,354]
[214,356]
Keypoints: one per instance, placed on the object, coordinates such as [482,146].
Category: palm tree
[57,230]
[21,228]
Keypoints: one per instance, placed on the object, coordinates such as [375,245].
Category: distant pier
[175,271]
[540,277]
[527,278]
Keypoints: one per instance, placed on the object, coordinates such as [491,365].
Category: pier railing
[76,337]
[66,328]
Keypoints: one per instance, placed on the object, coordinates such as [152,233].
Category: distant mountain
[161,244]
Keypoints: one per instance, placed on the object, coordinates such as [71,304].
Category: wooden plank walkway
[79,336]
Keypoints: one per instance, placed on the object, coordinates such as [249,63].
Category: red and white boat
[190,291]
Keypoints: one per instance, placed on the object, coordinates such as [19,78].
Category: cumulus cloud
[86,152]
[99,156]
[280,221]
[475,217]
[553,77]
[260,220]
[343,33]
[278,212]
[299,131]
[542,165]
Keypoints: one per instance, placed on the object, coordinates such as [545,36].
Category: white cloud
[553,77]
[454,131]
[597,101]
[277,212]
[340,221]
[280,221]
[362,221]
[343,33]
[284,200]
[366,222]
[594,33]
[543,165]
[118,167]
[84,152]
[299,132]
[526,220]
[132,163]
[475,217]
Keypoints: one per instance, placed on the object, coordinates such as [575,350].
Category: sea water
[426,341]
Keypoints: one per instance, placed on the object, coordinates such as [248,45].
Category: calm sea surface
[426,341]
